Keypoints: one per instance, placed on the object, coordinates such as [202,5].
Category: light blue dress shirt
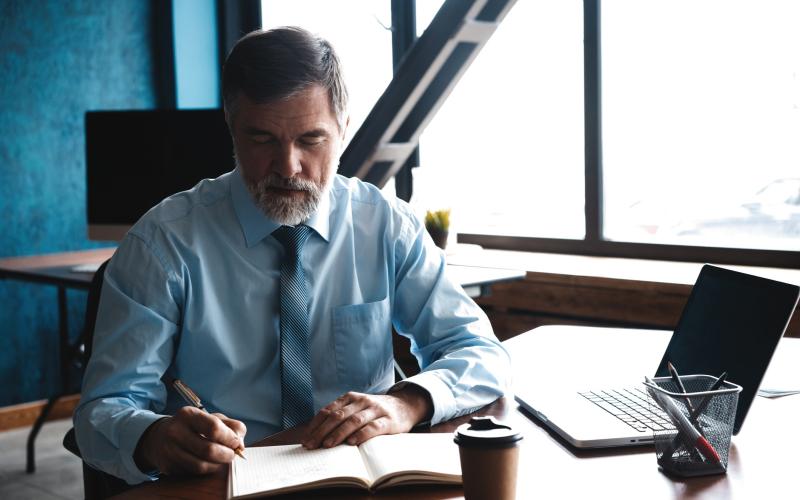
[193,292]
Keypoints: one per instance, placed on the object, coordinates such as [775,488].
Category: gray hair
[275,64]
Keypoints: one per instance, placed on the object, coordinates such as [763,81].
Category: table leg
[63,355]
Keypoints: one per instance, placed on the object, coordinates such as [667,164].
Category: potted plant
[437,222]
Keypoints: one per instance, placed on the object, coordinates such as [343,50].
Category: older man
[272,292]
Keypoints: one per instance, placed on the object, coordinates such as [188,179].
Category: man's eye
[263,139]
[311,141]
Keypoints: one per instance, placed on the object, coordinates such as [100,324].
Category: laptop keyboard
[633,406]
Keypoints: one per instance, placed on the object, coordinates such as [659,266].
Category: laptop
[732,323]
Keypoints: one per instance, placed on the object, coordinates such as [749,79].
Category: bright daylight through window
[508,142]
[701,122]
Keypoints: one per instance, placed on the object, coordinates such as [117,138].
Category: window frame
[593,243]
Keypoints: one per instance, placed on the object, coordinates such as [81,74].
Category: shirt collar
[256,226]
[320,221]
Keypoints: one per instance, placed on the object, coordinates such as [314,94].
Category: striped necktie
[297,402]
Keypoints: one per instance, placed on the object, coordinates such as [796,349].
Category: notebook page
[275,467]
[435,453]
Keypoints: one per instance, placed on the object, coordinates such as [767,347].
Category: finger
[321,415]
[181,461]
[236,426]
[201,447]
[334,420]
[376,427]
[213,429]
[209,451]
[352,424]
[334,415]
[314,426]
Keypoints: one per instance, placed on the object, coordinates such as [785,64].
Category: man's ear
[229,119]
[344,129]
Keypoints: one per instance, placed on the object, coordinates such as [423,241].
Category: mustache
[274,180]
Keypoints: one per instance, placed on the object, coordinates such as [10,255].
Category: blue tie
[297,400]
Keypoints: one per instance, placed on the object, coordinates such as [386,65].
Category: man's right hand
[191,442]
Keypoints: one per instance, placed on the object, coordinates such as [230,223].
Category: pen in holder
[699,440]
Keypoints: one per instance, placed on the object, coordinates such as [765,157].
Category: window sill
[611,291]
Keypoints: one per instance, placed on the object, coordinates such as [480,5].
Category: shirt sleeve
[133,345]
[464,366]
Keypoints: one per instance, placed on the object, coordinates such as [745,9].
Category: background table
[55,270]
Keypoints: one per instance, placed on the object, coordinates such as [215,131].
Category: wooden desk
[761,462]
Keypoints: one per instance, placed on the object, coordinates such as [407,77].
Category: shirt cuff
[134,427]
[444,404]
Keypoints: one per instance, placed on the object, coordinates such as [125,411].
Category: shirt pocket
[363,344]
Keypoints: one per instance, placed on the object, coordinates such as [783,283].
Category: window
[701,119]
[359,30]
[693,157]
[509,138]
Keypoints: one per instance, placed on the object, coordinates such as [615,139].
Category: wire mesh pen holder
[698,442]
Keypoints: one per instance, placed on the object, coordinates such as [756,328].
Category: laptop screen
[731,323]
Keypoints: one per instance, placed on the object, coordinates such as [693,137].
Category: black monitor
[135,159]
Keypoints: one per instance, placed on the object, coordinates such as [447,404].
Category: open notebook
[381,462]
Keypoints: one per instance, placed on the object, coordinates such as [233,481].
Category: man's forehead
[310,107]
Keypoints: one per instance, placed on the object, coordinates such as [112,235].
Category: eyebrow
[317,132]
[250,130]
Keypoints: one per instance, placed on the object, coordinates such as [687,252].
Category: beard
[284,208]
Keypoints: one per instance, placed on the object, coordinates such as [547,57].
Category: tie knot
[292,238]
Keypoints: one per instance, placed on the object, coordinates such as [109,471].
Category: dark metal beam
[593,143]
[163,55]
[235,18]
[404,34]
[422,82]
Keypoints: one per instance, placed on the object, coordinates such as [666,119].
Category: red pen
[685,427]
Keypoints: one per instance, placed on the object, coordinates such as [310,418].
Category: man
[272,291]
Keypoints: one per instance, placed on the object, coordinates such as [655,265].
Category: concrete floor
[58,472]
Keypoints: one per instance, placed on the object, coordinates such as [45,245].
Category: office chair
[96,484]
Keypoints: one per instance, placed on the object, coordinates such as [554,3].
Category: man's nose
[288,162]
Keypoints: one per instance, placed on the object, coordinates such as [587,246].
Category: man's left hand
[355,417]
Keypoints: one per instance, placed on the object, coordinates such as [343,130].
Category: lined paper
[275,467]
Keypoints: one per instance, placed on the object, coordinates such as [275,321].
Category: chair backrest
[96,484]
[84,343]
[92,303]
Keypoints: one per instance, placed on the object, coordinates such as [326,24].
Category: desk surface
[55,268]
[761,462]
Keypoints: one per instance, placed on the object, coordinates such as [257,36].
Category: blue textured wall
[58,59]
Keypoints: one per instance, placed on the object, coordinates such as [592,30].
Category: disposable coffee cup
[489,452]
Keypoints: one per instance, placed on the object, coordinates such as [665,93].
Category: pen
[702,406]
[190,397]
[684,426]
[677,379]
